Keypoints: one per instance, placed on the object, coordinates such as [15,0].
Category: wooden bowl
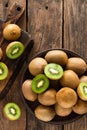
[32,105]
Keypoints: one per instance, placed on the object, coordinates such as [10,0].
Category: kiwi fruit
[40,83]
[3,71]
[69,79]
[12,111]
[36,66]
[27,90]
[80,107]
[60,111]
[53,71]
[83,78]
[77,64]
[1,53]
[82,90]
[66,97]
[14,50]
[11,32]
[44,113]
[48,97]
[57,56]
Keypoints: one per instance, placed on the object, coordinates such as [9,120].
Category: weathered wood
[45,28]
[13,95]
[75,38]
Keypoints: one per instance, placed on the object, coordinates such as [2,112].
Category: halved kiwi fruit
[3,71]
[40,83]
[53,71]
[82,90]
[12,111]
[14,49]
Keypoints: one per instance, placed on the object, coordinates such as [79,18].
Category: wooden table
[51,24]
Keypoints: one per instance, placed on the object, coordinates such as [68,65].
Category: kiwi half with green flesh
[14,50]
[40,83]
[53,71]
[3,71]
[69,79]
[80,107]
[57,56]
[82,91]
[12,111]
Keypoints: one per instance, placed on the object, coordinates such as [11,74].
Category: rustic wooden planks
[75,38]
[13,95]
[45,28]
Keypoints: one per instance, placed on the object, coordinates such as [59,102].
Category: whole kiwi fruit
[66,97]
[1,53]
[60,111]
[70,79]
[80,107]
[57,56]
[77,64]
[11,32]
[27,90]
[44,113]
[48,97]
[83,78]
[36,66]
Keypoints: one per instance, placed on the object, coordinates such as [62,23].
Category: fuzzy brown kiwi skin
[70,79]
[11,32]
[36,66]
[27,90]
[66,97]
[1,53]
[48,97]
[60,111]
[77,64]
[80,107]
[57,56]
[83,78]
[44,113]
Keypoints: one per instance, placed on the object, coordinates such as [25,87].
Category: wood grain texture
[13,95]
[45,24]
[45,28]
[75,39]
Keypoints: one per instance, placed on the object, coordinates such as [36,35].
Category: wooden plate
[32,105]
[14,66]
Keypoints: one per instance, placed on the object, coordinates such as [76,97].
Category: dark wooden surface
[51,24]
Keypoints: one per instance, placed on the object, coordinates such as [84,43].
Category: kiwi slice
[40,83]
[3,71]
[53,71]
[14,49]
[82,91]
[12,111]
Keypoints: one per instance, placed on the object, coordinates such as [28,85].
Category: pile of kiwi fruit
[56,85]
[14,48]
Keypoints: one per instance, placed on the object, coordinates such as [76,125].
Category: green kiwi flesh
[40,83]
[3,71]
[14,50]
[82,91]
[12,111]
[53,71]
